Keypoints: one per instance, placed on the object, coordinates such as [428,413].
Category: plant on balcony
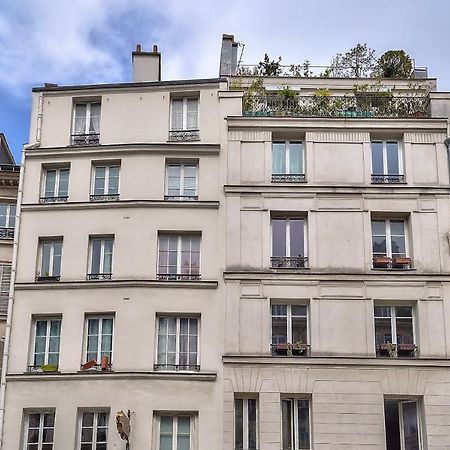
[268,68]
[387,349]
[395,64]
[301,70]
[359,61]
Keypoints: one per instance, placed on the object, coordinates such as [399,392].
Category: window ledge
[388,269]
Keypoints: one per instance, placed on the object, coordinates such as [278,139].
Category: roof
[6,157]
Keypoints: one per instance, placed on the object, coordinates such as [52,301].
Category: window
[100,260]
[7,221]
[295,424]
[389,244]
[39,430]
[176,432]
[184,119]
[47,333]
[99,337]
[245,424]
[179,257]
[394,331]
[181,182]
[86,126]
[387,162]
[94,430]
[56,186]
[288,243]
[105,184]
[403,424]
[177,343]
[50,260]
[288,162]
[290,330]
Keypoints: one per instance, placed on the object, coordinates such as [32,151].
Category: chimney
[228,56]
[146,65]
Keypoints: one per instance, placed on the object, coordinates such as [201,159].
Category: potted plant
[381,261]
[387,349]
[49,368]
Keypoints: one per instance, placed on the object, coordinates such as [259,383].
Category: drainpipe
[11,293]
[447,143]
[39,119]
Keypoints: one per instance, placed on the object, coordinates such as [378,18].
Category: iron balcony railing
[86,139]
[48,278]
[177,367]
[9,168]
[181,197]
[184,135]
[59,199]
[288,178]
[104,197]
[44,368]
[388,179]
[6,233]
[98,276]
[288,262]
[178,277]
[367,106]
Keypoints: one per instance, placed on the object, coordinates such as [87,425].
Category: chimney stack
[228,56]
[146,65]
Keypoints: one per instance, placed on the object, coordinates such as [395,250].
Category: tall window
[100,259]
[179,257]
[403,424]
[288,162]
[288,242]
[389,245]
[56,186]
[7,221]
[47,333]
[177,343]
[245,424]
[105,184]
[99,337]
[394,330]
[184,119]
[39,430]
[176,432]
[86,126]
[295,424]
[181,182]
[50,253]
[387,162]
[94,430]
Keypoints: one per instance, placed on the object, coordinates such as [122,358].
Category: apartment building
[232,270]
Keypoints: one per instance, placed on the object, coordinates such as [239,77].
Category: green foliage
[301,70]
[395,64]
[358,62]
[236,84]
[322,93]
[267,68]
[287,92]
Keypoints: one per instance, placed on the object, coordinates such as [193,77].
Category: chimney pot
[138,48]
[155,49]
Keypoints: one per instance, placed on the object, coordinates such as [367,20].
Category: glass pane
[410,426]
[165,442]
[93,326]
[47,435]
[45,267]
[405,331]
[377,158]
[397,227]
[33,436]
[107,326]
[238,424]
[12,217]
[252,430]
[41,328]
[382,311]
[192,113]
[398,245]
[279,158]
[279,330]
[102,419]
[96,254]
[3,213]
[55,328]
[86,434]
[166,425]
[184,425]
[303,424]
[295,158]
[379,245]
[392,158]
[296,237]
[286,420]
[299,330]
[63,188]
[403,311]
[177,114]
[54,344]
[49,419]
[34,420]
[378,228]
[278,237]
[383,331]
[99,182]
[87,420]
[50,183]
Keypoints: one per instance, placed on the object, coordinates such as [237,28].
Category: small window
[56,186]
[105,185]
[175,432]
[288,243]
[387,162]
[98,342]
[288,162]
[100,258]
[94,430]
[181,182]
[50,253]
[184,119]
[295,423]
[7,221]
[86,125]
[47,335]
[39,430]
[245,424]
[394,331]
[179,257]
[403,424]
[177,343]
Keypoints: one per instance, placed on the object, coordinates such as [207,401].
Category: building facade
[237,269]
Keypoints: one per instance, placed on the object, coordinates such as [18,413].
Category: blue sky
[90,41]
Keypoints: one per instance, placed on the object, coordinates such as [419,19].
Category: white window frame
[57,181]
[27,413]
[177,340]
[100,318]
[52,253]
[294,423]
[179,247]
[96,412]
[394,320]
[87,118]
[102,240]
[387,227]
[245,421]
[49,320]
[192,431]
[8,214]
[287,156]
[185,101]
[288,219]
[289,319]
[182,166]
[107,167]
[385,167]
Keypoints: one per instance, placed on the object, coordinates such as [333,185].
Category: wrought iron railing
[177,367]
[98,276]
[98,368]
[288,178]
[104,197]
[290,349]
[48,278]
[9,168]
[184,135]
[178,277]
[6,233]
[288,262]
[181,197]
[59,199]
[45,368]
[388,179]
[86,139]
[391,350]
[334,106]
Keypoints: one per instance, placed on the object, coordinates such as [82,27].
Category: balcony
[387,179]
[9,168]
[6,233]
[177,367]
[386,262]
[181,198]
[48,278]
[45,368]
[104,198]
[367,106]
[290,349]
[288,262]
[390,350]
[98,276]
[178,277]
[86,139]
[60,199]
[288,178]
[184,135]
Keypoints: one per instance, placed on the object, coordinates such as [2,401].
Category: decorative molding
[250,136]
[425,138]
[338,136]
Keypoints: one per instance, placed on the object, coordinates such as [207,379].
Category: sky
[90,41]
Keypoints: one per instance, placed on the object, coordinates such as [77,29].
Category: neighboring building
[239,271]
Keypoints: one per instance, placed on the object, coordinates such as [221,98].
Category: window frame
[288,219]
[96,412]
[87,117]
[287,144]
[26,426]
[387,228]
[101,275]
[107,166]
[181,195]
[185,112]
[294,421]
[193,418]
[52,241]
[289,320]
[384,142]
[245,422]
[100,317]
[8,215]
[32,353]
[393,319]
[56,194]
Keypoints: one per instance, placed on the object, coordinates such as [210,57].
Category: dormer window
[86,124]
[184,119]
